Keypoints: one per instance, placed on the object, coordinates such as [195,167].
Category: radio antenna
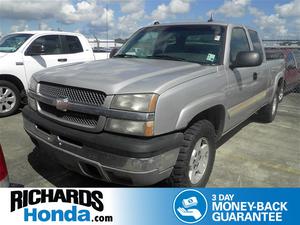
[107,23]
[211,18]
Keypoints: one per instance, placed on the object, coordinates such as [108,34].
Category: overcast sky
[273,18]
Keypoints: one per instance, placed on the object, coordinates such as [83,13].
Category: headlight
[139,128]
[33,84]
[135,102]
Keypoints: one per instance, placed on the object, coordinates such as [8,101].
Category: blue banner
[213,206]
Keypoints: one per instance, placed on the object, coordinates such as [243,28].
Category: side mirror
[36,50]
[113,52]
[247,59]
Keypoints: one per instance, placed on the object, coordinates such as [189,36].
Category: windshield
[202,44]
[13,42]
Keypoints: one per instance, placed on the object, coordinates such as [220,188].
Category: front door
[51,56]
[243,83]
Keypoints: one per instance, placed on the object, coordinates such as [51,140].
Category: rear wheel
[281,92]
[268,112]
[9,98]
[196,157]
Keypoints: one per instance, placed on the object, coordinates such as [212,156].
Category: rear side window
[72,44]
[51,43]
[239,43]
[256,42]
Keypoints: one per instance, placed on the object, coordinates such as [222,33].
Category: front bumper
[104,156]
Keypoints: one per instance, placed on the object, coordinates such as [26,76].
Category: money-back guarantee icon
[190,206]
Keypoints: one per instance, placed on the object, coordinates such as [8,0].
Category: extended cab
[156,109]
[24,53]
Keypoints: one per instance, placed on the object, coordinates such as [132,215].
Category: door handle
[255,76]
[62,60]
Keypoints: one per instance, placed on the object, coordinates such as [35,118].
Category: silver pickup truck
[156,109]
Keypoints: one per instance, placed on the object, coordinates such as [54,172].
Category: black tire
[16,92]
[267,114]
[180,174]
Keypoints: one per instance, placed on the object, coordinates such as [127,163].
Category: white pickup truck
[24,53]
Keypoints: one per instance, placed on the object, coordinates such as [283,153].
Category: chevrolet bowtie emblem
[62,104]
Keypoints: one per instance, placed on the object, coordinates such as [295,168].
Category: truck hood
[121,76]
[2,54]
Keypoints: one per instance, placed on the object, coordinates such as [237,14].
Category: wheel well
[16,81]
[216,115]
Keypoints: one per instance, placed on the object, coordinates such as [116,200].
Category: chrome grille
[77,118]
[76,95]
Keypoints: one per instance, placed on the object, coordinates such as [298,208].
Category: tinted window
[239,43]
[73,44]
[256,42]
[51,43]
[290,61]
[193,43]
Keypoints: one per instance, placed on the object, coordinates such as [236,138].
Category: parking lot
[252,155]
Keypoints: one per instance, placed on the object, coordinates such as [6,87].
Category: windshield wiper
[167,57]
[125,56]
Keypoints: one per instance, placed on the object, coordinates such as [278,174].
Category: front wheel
[196,157]
[9,98]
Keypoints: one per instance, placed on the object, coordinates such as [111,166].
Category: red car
[3,171]
[292,72]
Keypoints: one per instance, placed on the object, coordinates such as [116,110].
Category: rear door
[73,49]
[52,56]
[260,83]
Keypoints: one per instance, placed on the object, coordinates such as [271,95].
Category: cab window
[72,44]
[256,42]
[51,44]
[239,43]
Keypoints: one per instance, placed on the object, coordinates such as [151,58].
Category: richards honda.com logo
[45,205]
